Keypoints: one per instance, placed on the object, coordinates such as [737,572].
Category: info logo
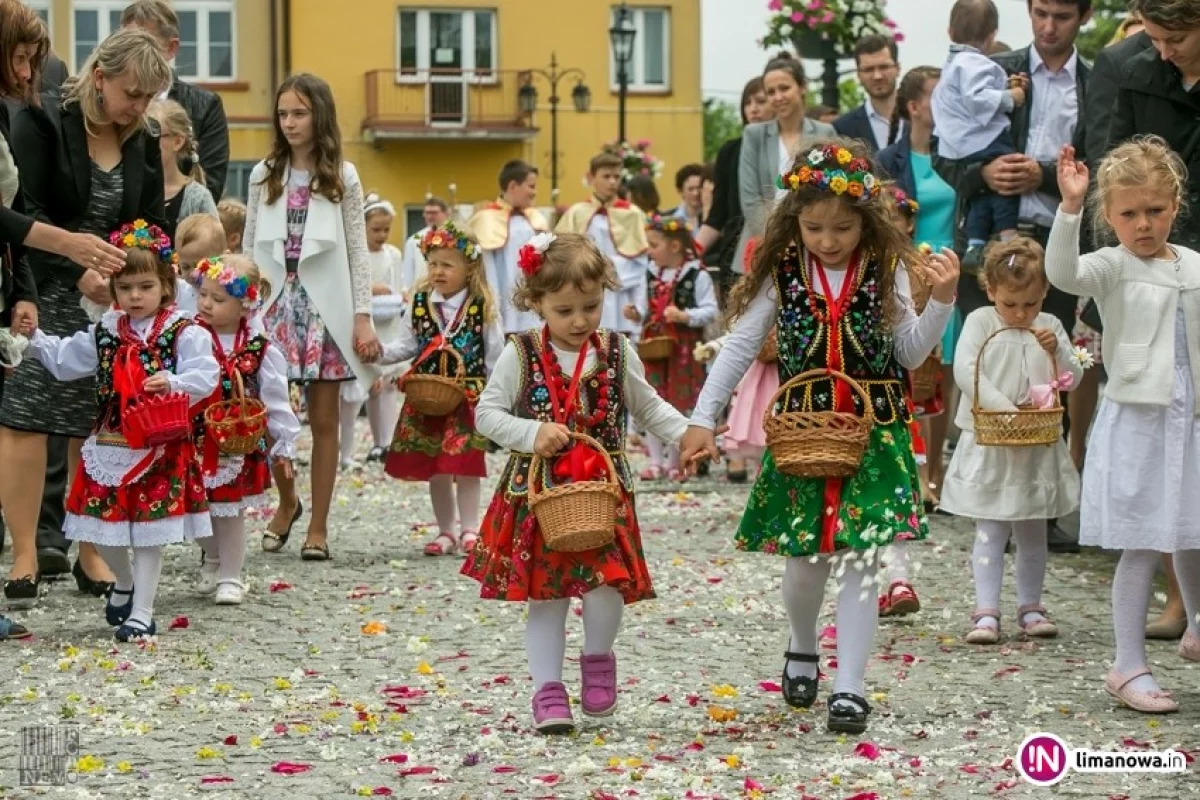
[1043,759]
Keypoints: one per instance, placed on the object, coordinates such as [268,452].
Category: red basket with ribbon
[154,420]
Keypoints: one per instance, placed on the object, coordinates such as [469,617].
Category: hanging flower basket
[823,29]
[635,159]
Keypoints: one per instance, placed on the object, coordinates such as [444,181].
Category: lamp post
[527,99]
[621,35]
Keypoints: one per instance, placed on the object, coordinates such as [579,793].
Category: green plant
[1106,18]
[721,123]
[842,22]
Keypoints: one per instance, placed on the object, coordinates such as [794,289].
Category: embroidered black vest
[248,360]
[685,288]
[533,402]
[158,355]
[868,349]
[467,339]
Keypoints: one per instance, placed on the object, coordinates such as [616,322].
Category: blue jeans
[989,213]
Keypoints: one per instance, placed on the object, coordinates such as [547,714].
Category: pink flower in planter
[775,5]
[887,23]
[898,37]
[797,16]
[816,5]
[827,18]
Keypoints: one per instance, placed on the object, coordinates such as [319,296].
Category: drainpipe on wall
[287,37]
[274,47]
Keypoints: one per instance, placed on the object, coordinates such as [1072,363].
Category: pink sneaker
[599,684]
[552,709]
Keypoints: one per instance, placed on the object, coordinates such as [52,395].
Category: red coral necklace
[556,382]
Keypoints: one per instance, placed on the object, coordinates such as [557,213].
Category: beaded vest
[466,338]
[157,355]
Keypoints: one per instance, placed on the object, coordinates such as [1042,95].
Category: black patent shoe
[88,586]
[800,692]
[849,715]
[22,592]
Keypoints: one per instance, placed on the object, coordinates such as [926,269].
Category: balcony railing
[445,103]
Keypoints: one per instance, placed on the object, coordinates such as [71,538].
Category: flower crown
[449,237]
[834,169]
[904,204]
[141,235]
[237,286]
[531,257]
[663,224]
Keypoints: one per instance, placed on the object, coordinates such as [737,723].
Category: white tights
[383,411]
[546,636]
[662,455]
[226,548]
[141,574]
[988,559]
[1131,601]
[455,498]
[857,614]
[897,562]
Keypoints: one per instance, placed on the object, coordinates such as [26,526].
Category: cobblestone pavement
[382,673]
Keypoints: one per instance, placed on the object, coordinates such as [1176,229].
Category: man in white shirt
[412,264]
[878,66]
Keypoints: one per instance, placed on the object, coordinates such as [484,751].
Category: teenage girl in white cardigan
[1143,460]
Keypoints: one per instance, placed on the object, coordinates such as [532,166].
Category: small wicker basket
[926,378]
[818,444]
[238,424]
[436,395]
[578,516]
[1025,427]
[656,348]
[154,420]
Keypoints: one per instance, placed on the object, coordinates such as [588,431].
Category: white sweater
[1138,300]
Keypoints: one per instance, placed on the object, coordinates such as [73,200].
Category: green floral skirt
[880,503]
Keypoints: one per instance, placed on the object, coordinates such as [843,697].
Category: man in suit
[205,109]
[1049,119]
[875,58]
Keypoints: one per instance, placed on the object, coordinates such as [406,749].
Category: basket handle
[445,350]
[814,374]
[979,360]
[239,389]
[536,462]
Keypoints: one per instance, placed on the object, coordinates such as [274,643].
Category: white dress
[1141,486]
[632,273]
[1008,484]
[503,275]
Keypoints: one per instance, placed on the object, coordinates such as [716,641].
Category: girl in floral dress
[567,376]
[229,294]
[129,492]
[830,274]
[682,301]
[452,309]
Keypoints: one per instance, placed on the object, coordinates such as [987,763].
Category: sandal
[467,542]
[1042,629]
[984,634]
[314,552]
[274,542]
[1159,702]
[900,599]
[847,720]
[800,692]
[12,630]
[443,544]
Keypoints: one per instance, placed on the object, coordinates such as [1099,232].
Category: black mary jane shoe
[845,719]
[800,692]
[22,592]
[86,585]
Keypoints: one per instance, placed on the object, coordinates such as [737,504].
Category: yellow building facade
[429,95]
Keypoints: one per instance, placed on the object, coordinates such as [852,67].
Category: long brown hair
[20,25]
[327,140]
[911,89]
[881,239]
[129,50]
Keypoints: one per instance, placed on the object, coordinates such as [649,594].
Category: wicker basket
[656,348]
[578,516]
[925,378]
[158,419]
[817,444]
[238,424]
[1025,427]
[436,395]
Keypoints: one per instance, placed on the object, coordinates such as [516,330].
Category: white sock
[602,611]
[988,564]
[1187,572]
[229,533]
[347,416]
[383,412]
[654,447]
[441,495]
[898,561]
[1029,538]
[857,619]
[147,568]
[803,592]
[118,560]
[212,555]
[466,493]
[546,640]
[1131,602]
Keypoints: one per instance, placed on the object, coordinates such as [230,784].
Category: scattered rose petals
[404,773]
[289,768]
[177,623]
[215,779]
[230,740]
[394,758]
[770,686]
[279,586]
[867,750]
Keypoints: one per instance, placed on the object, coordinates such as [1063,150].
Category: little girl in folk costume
[130,491]
[229,293]
[452,309]
[569,376]
[682,301]
[831,275]
[1011,490]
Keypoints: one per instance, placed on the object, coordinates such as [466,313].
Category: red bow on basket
[580,463]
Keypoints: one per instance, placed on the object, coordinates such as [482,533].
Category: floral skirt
[880,504]
[241,482]
[511,561]
[295,327]
[426,446]
[678,379]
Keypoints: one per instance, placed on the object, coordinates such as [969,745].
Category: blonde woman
[184,191]
[88,163]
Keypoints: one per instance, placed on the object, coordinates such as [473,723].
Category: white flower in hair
[1082,357]
[541,241]
[816,156]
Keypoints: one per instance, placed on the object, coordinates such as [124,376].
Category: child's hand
[158,383]
[675,315]
[366,343]
[696,444]
[551,437]
[1072,181]
[1046,339]
[24,318]
[704,353]
[1018,95]
[941,271]
[285,466]
[632,314]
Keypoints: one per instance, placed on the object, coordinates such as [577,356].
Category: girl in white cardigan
[1011,491]
[306,231]
[1143,460]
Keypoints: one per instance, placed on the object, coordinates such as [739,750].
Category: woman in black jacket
[88,163]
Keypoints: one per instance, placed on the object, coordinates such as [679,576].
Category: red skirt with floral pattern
[171,488]
[252,481]
[425,446]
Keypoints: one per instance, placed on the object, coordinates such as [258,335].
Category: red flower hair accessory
[531,257]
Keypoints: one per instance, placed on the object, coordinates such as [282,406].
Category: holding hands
[366,342]
[1072,181]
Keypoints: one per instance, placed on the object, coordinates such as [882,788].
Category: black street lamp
[527,99]
[621,35]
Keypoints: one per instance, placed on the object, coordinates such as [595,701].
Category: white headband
[379,205]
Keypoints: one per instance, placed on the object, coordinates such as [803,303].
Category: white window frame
[637,65]
[46,6]
[202,9]
[103,10]
[422,74]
